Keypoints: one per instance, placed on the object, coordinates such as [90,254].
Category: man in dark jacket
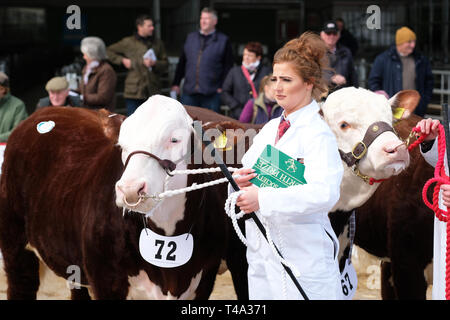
[58,95]
[145,57]
[346,38]
[341,60]
[204,63]
[401,67]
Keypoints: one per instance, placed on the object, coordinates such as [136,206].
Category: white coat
[440,234]
[297,216]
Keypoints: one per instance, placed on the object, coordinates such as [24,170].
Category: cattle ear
[404,103]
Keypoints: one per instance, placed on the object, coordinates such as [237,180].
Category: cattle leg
[237,263]
[81,293]
[21,265]
[387,289]
[409,280]
[206,284]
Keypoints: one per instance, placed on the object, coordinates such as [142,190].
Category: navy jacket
[204,63]
[386,74]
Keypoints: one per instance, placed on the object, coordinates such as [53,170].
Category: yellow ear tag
[398,113]
[221,142]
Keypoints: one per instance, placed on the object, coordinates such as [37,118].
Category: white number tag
[349,280]
[165,252]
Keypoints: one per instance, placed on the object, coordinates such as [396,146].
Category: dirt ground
[367,268]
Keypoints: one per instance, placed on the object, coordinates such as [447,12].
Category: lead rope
[229,209]
[351,231]
[439,178]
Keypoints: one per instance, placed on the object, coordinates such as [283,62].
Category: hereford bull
[395,225]
[58,202]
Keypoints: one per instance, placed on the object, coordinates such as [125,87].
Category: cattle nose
[394,147]
[131,191]
[396,150]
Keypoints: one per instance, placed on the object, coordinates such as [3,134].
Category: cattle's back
[57,178]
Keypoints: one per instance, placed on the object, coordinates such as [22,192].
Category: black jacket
[342,63]
[236,89]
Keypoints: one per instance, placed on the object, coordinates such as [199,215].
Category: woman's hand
[446,195]
[429,127]
[243,177]
[248,201]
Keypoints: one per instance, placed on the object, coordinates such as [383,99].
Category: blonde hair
[264,81]
[308,54]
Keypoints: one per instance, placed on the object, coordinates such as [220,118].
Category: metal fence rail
[442,88]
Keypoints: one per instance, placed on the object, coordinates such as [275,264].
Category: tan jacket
[140,82]
[99,92]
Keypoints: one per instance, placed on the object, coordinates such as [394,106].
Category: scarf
[93,64]
[252,68]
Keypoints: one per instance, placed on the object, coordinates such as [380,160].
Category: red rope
[439,178]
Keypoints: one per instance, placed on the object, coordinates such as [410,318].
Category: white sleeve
[323,175]
[431,156]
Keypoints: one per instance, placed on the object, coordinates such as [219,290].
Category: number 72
[170,255]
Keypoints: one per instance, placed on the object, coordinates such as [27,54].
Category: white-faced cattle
[394,224]
[59,190]
[362,123]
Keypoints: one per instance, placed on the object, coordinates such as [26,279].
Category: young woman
[297,216]
[264,108]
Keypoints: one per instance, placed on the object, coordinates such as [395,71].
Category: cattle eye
[344,125]
[174,140]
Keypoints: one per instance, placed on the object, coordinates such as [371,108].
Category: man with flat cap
[341,59]
[58,94]
[12,109]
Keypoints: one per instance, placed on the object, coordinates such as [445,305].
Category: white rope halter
[230,204]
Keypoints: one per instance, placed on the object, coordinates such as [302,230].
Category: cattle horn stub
[404,103]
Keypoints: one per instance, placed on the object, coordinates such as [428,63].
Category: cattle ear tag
[45,126]
[398,113]
[165,252]
[221,142]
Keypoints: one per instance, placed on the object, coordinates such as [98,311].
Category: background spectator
[241,82]
[12,109]
[265,107]
[143,77]
[99,80]
[58,94]
[346,38]
[204,63]
[341,59]
[402,67]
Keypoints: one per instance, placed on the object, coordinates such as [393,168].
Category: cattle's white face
[349,112]
[162,127]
